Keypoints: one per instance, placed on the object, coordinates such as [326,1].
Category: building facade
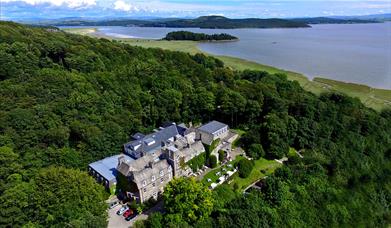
[211,131]
[151,161]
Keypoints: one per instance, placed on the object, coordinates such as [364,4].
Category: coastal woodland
[185,35]
[68,100]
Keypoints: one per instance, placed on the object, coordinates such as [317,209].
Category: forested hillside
[67,100]
[212,22]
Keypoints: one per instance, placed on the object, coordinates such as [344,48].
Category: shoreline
[376,98]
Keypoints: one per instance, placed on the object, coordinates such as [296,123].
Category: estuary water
[357,53]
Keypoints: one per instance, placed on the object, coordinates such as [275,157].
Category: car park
[122,210]
[128,213]
[130,217]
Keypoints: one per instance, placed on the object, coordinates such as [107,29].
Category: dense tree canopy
[68,100]
[185,35]
[54,197]
[187,200]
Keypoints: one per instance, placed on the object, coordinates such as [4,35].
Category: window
[144,183]
[155,194]
[153,178]
[145,189]
[161,180]
[161,173]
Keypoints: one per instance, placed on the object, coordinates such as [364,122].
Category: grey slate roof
[151,142]
[147,173]
[138,135]
[212,126]
[107,166]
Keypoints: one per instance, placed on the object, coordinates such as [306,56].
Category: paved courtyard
[116,221]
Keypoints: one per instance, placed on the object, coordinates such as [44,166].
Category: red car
[128,213]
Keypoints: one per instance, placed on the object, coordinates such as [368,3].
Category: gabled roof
[151,142]
[148,172]
[107,166]
[212,127]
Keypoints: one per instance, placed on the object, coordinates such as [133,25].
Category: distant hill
[217,22]
[376,17]
[329,20]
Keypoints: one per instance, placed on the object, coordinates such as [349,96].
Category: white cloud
[68,3]
[123,6]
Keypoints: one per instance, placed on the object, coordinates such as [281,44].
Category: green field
[81,31]
[371,97]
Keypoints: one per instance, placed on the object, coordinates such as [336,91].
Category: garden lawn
[212,174]
[261,169]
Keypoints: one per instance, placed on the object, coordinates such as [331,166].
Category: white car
[122,210]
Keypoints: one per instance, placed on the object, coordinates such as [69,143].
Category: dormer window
[144,183]
[149,141]
[137,146]
[161,173]
[153,178]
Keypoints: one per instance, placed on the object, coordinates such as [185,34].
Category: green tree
[212,161]
[221,155]
[256,151]
[190,200]
[155,220]
[245,167]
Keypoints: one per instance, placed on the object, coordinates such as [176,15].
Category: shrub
[245,167]
[221,155]
[212,161]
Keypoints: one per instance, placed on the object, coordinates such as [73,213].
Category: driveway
[236,152]
[157,208]
[116,221]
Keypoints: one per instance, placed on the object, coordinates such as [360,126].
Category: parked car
[122,210]
[130,217]
[128,212]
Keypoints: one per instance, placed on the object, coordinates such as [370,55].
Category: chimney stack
[121,159]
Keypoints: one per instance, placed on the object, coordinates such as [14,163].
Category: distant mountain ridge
[329,20]
[376,17]
[218,22]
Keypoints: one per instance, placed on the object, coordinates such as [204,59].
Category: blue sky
[26,9]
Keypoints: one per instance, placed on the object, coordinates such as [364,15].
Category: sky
[52,9]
